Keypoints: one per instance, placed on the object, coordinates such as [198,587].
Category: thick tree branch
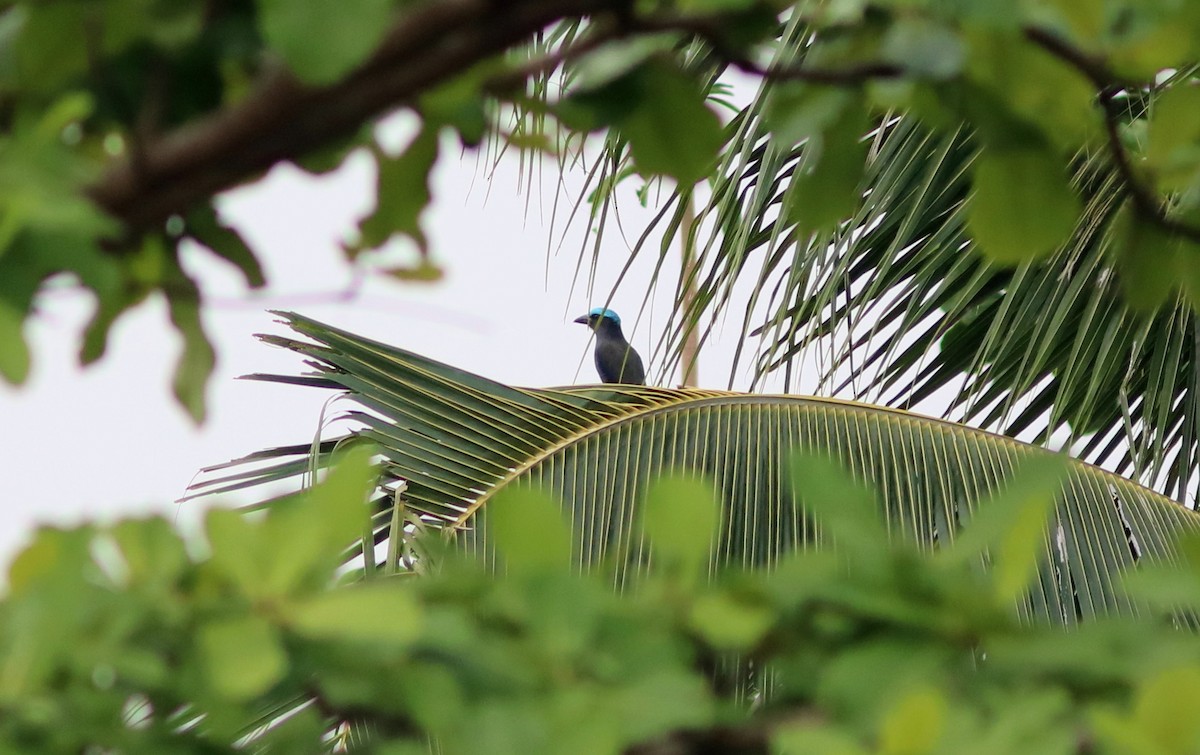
[284,118]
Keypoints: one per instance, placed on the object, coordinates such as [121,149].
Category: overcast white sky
[109,440]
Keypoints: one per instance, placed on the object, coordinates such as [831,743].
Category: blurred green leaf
[198,358]
[1167,587]
[205,227]
[1028,86]
[727,623]
[672,131]
[859,683]
[914,724]
[1173,137]
[52,46]
[529,531]
[841,507]
[322,40]
[925,47]
[460,103]
[617,58]
[242,657]
[1163,710]
[303,539]
[151,550]
[681,701]
[1011,524]
[235,543]
[828,192]
[682,518]
[14,351]
[798,112]
[296,549]
[380,612]
[1146,261]
[1022,206]
[56,556]
[401,194]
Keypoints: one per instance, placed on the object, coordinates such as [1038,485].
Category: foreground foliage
[131,639]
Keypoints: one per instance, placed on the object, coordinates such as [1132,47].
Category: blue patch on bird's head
[602,312]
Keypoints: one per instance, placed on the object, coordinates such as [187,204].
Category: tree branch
[1109,87]
[284,118]
[713,30]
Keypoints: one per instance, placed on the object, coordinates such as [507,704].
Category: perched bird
[616,361]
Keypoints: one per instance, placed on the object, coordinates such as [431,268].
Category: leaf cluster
[131,639]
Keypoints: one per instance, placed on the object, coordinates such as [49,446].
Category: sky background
[109,440]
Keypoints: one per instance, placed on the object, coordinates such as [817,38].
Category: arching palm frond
[456,439]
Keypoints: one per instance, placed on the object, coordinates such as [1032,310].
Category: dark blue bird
[616,361]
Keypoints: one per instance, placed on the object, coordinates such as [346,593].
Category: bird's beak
[582,319]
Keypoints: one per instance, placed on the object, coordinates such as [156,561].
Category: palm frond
[456,439]
[897,306]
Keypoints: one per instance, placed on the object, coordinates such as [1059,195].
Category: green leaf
[924,47]
[682,517]
[14,351]
[1164,711]
[1173,136]
[1029,87]
[297,548]
[1167,587]
[609,105]
[672,131]
[52,46]
[1022,206]
[303,539]
[1012,524]
[55,555]
[241,657]
[401,193]
[383,612]
[727,623]
[914,724]
[322,40]
[841,506]
[797,112]
[204,226]
[235,548]
[829,192]
[1146,256]
[459,103]
[198,359]
[151,550]
[529,530]
[616,59]
[662,701]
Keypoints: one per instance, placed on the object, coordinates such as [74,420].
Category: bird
[616,361]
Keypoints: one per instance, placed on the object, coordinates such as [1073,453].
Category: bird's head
[600,318]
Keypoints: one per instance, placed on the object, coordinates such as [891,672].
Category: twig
[849,75]
[712,29]
[1109,87]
